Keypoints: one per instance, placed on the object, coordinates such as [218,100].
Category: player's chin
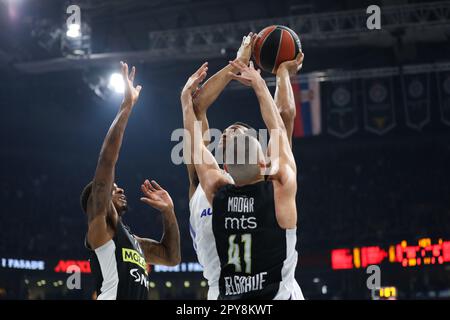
[123,207]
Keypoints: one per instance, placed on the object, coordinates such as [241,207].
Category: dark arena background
[373,178]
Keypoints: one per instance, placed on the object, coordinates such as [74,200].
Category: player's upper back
[257,256]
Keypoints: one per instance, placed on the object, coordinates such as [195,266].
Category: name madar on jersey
[241,205]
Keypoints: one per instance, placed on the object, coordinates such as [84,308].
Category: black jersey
[119,268]
[257,257]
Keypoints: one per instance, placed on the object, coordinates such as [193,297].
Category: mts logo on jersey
[241,205]
[130,255]
[206,212]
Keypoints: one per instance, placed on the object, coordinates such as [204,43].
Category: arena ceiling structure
[157,32]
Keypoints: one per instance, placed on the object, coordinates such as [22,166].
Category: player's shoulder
[198,196]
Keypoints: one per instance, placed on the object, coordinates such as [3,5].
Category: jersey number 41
[235,243]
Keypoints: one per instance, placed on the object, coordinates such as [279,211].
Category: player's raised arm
[206,166]
[100,198]
[167,250]
[284,95]
[213,87]
[269,111]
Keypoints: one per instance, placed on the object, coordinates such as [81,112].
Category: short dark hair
[238,123]
[85,194]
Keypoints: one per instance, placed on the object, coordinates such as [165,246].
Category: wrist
[282,72]
[259,85]
[168,212]
[126,106]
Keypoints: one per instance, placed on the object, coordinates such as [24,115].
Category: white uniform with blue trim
[200,225]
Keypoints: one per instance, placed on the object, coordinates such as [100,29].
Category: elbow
[176,260]
[173,261]
[288,113]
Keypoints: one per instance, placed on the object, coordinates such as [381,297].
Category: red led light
[372,255]
[446,251]
[63,265]
[408,256]
[341,259]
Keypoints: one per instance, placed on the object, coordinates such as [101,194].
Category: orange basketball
[274,45]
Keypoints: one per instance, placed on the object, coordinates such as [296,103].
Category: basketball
[274,45]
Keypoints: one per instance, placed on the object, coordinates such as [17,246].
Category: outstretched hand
[131,92]
[292,66]
[192,83]
[156,196]
[245,50]
[248,76]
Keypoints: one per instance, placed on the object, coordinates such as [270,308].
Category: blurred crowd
[353,193]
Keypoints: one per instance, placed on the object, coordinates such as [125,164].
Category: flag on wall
[341,115]
[379,114]
[416,97]
[307,101]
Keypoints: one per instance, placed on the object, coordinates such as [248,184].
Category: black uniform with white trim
[257,257]
[119,268]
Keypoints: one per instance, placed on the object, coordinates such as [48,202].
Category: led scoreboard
[423,253]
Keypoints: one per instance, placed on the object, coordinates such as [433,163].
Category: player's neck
[247,182]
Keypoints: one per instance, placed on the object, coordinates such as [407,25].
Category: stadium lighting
[203,284]
[324,289]
[116,83]
[152,284]
[168,284]
[316,280]
[187,284]
[73,31]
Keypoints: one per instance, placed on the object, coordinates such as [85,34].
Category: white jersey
[200,225]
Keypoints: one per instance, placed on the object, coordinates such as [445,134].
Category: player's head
[230,131]
[243,158]
[118,198]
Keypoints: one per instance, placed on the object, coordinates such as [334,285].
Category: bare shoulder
[215,180]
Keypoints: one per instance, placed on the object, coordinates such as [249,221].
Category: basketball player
[118,258]
[201,212]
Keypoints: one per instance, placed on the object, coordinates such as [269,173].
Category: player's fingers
[156,185]
[203,76]
[145,190]
[237,64]
[251,65]
[246,40]
[122,69]
[234,64]
[243,65]
[253,40]
[201,69]
[149,186]
[132,73]
[233,76]
[125,71]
